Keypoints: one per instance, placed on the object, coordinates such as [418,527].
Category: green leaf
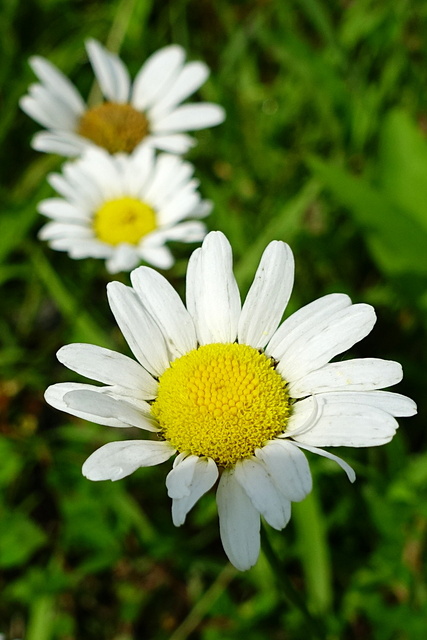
[397,241]
[14,227]
[284,226]
[20,537]
[11,463]
[403,165]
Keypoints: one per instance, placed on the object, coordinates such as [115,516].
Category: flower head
[124,208]
[234,394]
[147,111]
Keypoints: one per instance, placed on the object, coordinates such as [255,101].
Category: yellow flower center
[124,220]
[115,127]
[222,401]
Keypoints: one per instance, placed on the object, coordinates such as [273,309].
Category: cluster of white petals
[164,182]
[164,81]
[333,404]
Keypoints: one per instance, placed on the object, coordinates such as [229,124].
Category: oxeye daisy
[124,208]
[149,110]
[237,397]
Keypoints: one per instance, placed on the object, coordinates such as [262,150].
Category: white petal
[108,367]
[393,403]
[326,454]
[57,83]
[125,257]
[159,257]
[182,198]
[179,207]
[193,281]
[191,77]
[288,468]
[213,298]
[47,109]
[203,209]
[83,248]
[156,75]
[116,460]
[166,307]
[179,458]
[111,73]
[56,107]
[319,342]
[187,482]
[54,395]
[309,315]
[64,143]
[239,522]
[179,479]
[171,175]
[62,185]
[136,171]
[346,423]
[189,117]
[189,231]
[101,407]
[97,174]
[362,374]
[76,231]
[61,210]
[305,414]
[139,329]
[32,108]
[268,296]
[174,143]
[263,493]
[161,186]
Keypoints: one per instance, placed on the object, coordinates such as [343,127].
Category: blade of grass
[88,329]
[203,605]
[284,226]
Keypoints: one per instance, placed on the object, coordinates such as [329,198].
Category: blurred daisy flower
[148,110]
[124,208]
[234,394]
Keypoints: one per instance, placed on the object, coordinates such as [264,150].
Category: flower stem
[314,553]
[291,595]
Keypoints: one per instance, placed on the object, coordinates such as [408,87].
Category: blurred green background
[324,147]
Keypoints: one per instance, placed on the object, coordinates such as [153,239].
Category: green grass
[324,147]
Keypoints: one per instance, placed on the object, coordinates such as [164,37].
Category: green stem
[120,25]
[204,604]
[42,613]
[314,626]
[314,553]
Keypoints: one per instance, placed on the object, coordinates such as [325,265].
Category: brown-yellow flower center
[222,401]
[113,126]
[124,220]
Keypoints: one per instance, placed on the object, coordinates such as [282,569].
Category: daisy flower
[149,110]
[124,208]
[233,394]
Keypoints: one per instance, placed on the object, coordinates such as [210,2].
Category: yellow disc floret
[113,126]
[222,401]
[124,220]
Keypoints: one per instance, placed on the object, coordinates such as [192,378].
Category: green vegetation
[324,147]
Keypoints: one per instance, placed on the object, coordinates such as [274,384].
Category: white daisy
[149,110]
[233,393]
[124,208]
